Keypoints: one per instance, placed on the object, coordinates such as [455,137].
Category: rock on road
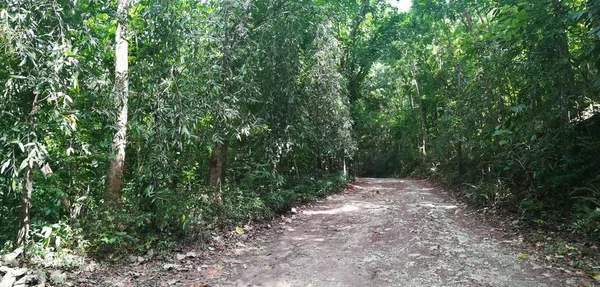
[386,232]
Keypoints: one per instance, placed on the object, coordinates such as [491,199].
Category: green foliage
[496,97]
[113,234]
[262,77]
[57,245]
[586,217]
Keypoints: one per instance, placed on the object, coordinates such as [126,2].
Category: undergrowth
[111,235]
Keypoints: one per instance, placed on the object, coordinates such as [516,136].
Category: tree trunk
[24,219]
[217,165]
[421,116]
[296,169]
[25,216]
[459,148]
[411,102]
[461,165]
[120,93]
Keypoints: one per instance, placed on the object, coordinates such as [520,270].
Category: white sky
[402,5]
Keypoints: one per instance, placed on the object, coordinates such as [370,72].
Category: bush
[112,234]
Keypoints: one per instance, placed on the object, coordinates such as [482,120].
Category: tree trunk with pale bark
[120,93]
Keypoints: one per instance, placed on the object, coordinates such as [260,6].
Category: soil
[377,232]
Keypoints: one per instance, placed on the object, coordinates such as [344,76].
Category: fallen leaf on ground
[170,266]
[239,230]
[570,247]
[522,255]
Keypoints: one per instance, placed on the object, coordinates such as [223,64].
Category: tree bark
[461,165]
[24,219]
[217,165]
[421,115]
[216,169]
[25,216]
[120,93]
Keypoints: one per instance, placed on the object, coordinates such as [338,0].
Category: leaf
[522,255]
[5,166]
[570,247]
[239,230]
[24,164]
[596,275]
[577,15]
[518,108]
[46,170]
[12,141]
[46,231]
[595,31]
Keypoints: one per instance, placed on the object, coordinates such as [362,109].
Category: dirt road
[388,232]
[378,232]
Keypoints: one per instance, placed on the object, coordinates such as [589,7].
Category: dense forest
[129,124]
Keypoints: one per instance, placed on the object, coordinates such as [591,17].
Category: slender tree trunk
[25,216]
[231,39]
[421,115]
[217,164]
[24,219]
[296,169]
[217,167]
[218,156]
[461,165]
[120,93]
[411,101]
[459,147]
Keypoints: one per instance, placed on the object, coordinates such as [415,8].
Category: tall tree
[120,96]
